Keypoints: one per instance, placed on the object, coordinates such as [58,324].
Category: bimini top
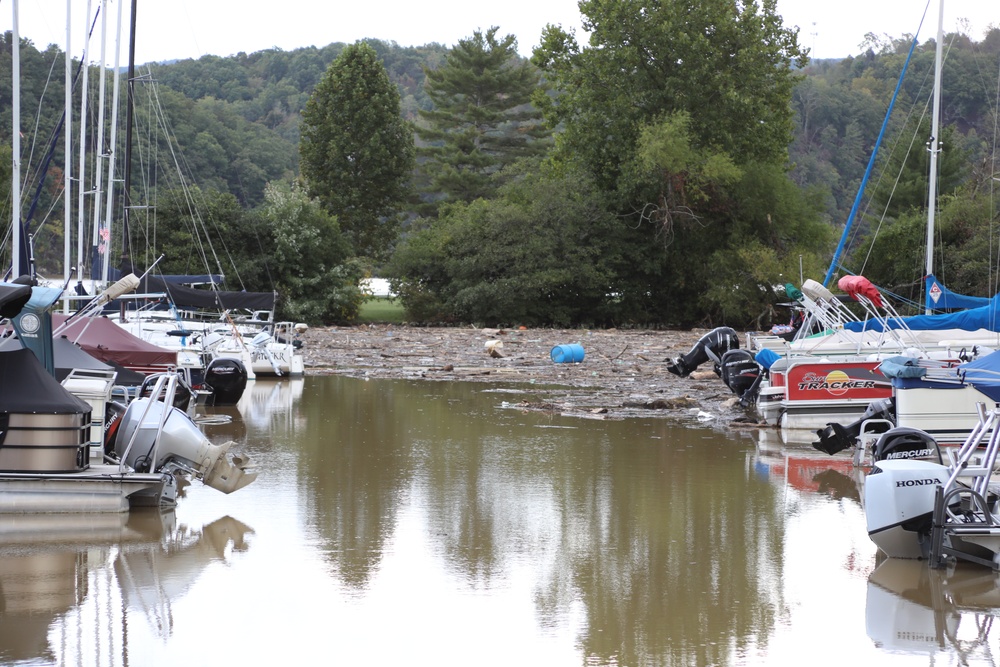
[27,388]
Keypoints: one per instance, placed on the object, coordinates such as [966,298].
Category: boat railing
[964,505]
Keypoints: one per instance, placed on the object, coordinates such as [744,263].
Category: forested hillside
[234,125]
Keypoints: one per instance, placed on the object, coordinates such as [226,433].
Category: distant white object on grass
[376,286]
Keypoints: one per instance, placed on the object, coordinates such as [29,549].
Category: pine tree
[482,118]
[357,151]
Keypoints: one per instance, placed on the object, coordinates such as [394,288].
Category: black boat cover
[27,388]
[208,299]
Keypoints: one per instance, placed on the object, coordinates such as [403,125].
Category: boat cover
[12,298]
[983,374]
[105,340]
[26,387]
[207,299]
[66,355]
[939,297]
[984,317]
[857,286]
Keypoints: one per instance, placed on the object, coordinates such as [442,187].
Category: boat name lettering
[814,382]
[917,482]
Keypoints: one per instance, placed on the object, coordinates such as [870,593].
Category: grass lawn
[380,309]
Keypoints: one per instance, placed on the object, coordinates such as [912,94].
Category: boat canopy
[109,342]
[31,389]
[207,299]
[66,355]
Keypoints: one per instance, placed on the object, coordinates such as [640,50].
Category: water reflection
[73,587]
[426,519]
[914,609]
[631,524]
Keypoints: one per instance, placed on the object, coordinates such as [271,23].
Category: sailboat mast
[934,146]
[130,104]
[15,192]
[68,138]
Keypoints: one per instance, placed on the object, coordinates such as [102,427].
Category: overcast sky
[178,29]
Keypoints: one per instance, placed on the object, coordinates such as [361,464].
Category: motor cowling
[709,347]
[227,377]
[906,444]
[740,371]
[899,505]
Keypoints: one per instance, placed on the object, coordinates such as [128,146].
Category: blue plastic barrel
[571,353]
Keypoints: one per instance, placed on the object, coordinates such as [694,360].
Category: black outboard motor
[906,443]
[711,346]
[740,371]
[836,438]
[228,379]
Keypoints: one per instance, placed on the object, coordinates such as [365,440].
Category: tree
[310,259]
[482,118]
[357,151]
[729,65]
[543,252]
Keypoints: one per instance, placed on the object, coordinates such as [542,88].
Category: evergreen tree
[357,151]
[482,118]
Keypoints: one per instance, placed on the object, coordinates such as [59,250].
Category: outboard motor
[902,443]
[180,447]
[182,396]
[899,492]
[836,438]
[228,379]
[740,371]
[711,346]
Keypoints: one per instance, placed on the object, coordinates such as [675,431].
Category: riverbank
[623,373]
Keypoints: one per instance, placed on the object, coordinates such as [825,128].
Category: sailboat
[66,451]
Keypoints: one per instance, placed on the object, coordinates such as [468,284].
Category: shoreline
[623,373]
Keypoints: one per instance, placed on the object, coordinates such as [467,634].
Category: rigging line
[219,232]
[871,161]
[899,173]
[52,145]
[196,218]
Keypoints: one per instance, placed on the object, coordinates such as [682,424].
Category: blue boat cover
[766,358]
[983,374]
[972,319]
[939,297]
[901,367]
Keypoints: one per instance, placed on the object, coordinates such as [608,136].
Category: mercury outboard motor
[228,379]
[740,371]
[711,346]
[836,438]
[905,444]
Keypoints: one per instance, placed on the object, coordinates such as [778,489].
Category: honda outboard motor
[740,371]
[228,379]
[711,346]
[900,490]
[181,447]
[836,438]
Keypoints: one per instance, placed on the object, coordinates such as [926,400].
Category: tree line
[668,172]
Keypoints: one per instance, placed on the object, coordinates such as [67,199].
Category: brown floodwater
[409,522]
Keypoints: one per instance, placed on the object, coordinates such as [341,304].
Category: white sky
[175,29]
